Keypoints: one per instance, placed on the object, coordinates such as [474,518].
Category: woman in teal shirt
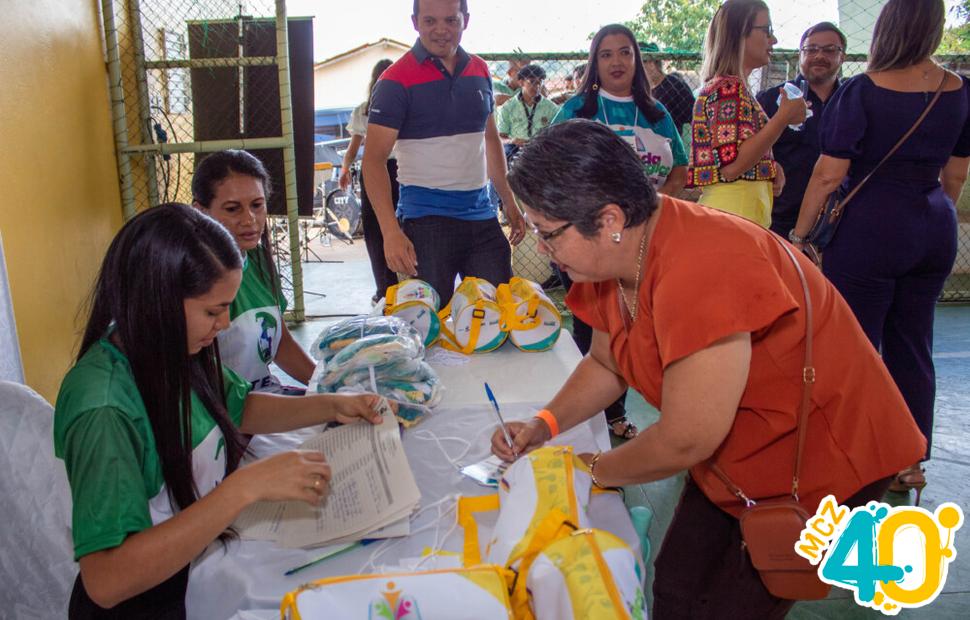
[149,423]
[615,91]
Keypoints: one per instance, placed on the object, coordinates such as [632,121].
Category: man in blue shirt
[822,52]
[436,104]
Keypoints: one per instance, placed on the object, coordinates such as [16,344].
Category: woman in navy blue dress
[897,240]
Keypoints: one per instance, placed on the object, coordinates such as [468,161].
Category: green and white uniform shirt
[103,434]
[250,344]
[520,121]
[658,144]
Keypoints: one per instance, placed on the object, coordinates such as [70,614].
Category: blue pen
[327,556]
[505,430]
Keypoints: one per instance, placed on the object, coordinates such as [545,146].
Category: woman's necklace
[926,77]
[632,307]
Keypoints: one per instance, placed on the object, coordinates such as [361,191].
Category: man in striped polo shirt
[436,104]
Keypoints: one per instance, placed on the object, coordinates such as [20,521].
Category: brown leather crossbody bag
[771,527]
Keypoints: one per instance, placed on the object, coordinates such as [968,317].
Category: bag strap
[892,151]
[808,380]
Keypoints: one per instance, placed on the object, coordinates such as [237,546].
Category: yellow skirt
[749,199]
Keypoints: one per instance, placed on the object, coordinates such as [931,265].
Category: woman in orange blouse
[701,312]
[730,156]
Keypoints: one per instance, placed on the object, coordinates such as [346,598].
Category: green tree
[956,40]
[675,24]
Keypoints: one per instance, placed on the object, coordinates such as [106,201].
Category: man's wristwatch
[795,238]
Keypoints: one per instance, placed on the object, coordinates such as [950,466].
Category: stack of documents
[372,492]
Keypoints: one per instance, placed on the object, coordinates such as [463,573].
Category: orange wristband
[546,416]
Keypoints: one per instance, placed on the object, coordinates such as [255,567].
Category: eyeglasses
[768,29]
[546,238]
[825,50]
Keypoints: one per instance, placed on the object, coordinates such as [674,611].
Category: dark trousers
[373,239]
[702,570]
[890,258]
[447,247]
[583,335]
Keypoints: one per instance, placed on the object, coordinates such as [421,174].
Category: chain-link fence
[564,72]
[190,77]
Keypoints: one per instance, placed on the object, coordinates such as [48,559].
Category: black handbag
[827,220]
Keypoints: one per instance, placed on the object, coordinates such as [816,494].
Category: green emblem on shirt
[267,332]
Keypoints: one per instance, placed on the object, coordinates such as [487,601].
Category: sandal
[910,478]
[623,428]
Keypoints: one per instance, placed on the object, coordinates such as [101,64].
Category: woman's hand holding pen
[526,436]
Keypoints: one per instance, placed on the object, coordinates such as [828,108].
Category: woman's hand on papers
[294,475]
[526,436]
[349,409]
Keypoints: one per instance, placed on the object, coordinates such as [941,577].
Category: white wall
[344,83]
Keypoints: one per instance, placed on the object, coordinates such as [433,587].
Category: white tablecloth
[249,579]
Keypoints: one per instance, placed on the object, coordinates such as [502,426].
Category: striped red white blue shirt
[440,119]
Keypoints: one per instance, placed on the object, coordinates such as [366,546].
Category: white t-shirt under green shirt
[250,343]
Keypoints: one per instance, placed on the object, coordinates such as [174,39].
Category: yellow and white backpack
[475,318]
[470,593]
[590,575]
[417,303]
[528,315]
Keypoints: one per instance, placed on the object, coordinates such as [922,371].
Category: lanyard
[636,113]
[529,115]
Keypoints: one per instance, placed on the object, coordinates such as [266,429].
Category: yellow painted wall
[60,201]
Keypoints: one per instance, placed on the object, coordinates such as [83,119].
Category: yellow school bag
[528,315]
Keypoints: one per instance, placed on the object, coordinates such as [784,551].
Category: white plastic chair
[37,566]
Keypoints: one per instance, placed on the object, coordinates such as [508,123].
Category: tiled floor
[347,287]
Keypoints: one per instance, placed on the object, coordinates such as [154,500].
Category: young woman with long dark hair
[615,91]
[149,422]
[232,187]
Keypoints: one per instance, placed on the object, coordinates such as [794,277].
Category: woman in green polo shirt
[233,187]
[148,422]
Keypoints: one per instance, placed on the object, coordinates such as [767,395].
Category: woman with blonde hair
[897,238]
[730,157]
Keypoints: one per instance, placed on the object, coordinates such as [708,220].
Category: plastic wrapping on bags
[379,352]
[389,364]
[336,337]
